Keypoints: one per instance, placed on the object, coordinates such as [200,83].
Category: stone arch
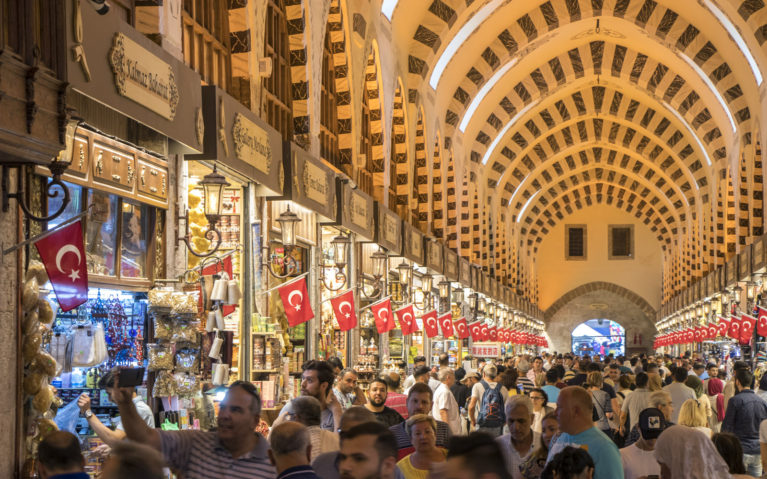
[437,226]
[400,160]
[372,124]
[420,205]
[600,286]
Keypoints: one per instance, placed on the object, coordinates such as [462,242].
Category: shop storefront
[412,282]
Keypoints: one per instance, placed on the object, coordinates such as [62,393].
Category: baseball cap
[472,374]
[652,423]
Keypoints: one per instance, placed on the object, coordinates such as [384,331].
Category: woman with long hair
[716,397]
[602,406]
[731,451]
[533,466]
[691,414]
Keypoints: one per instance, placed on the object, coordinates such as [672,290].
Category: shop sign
[148,84]
[744,263]
[451,264]
[476,281]
[710,280]
[239,139]
[310,183]
[143,77]
[413,244]
[435,256]
[464,273]
[731,272]
[757,255]
[388,229]
[355,210]
[486,350]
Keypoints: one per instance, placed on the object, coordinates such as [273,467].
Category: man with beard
[347,392]
[233,450]
[419,401]
[521,440]
[317,381]
[368,451]
[376,404]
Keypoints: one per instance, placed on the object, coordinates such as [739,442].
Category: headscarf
[690,454]
[693,382]
[715,388]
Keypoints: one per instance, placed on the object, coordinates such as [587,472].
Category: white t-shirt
[638,463]
[444,399]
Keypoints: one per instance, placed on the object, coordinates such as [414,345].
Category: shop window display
[135,233]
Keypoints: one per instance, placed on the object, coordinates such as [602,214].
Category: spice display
[164,385]
[184,303]
[186,384]
[186,359]
[159,298]
[160,357]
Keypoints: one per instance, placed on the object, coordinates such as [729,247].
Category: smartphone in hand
[131,377]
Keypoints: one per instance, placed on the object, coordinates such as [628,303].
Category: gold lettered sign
[757,254]
[143,77]
[465,273]
[251,144]
[744,263]
[391,228]
[360,215]
[451,264]
[315,183]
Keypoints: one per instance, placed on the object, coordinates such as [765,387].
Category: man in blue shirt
[59,457]
[744,413]
[574,413]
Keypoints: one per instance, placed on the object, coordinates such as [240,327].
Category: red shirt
[398,402]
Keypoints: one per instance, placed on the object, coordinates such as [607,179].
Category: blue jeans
[753,463]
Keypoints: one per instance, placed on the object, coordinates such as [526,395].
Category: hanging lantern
[444,289]
[426,283]
[379,264]
[404,273]
[288,221]
[340,245]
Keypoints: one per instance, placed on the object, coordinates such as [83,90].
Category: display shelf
[264,333]
[264,371]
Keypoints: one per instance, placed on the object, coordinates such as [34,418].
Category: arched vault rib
[692,54]
[602,101]
[566,203]
[590,158]
[608,130]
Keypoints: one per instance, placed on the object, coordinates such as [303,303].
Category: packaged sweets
[164,385]
[160,298]
[160,357]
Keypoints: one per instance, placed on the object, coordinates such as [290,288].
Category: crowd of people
[521,417]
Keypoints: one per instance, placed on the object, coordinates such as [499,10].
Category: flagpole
[334,297]
[284,284]
[373,304]
[49,232]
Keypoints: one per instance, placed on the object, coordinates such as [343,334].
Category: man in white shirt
[410,380]
[445,407]
[679,392]
[635,403]
[639,458]
[521,440]
[537,369]
[489,374]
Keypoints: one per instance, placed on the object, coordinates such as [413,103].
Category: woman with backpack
[603,410]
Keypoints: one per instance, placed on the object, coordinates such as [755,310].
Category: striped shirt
[405,446]
[200,455]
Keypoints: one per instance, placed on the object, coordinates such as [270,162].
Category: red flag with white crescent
[446,324]
[476,331]
[747,325]
[343,308]
[761,324]
[493,331]
[384,318]
[63,256]
[711,331]
[722,327]
[430,325]
[406,318]
[734,331]
[485,332]
[295,301]
[461,328]
[696,334]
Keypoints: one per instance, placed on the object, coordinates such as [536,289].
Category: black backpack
[491,410]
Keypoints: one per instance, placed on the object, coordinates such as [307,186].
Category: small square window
[575,242]
[620,241]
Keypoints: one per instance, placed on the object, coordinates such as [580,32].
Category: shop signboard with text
[486,350]
[388,229]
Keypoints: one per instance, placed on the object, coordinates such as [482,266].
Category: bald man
[290,451]
[574,413]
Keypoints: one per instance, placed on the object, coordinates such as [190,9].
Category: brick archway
[600,286]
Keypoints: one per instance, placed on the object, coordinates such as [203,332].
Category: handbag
[83,351]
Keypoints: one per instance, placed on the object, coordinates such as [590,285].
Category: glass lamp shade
[340,246]
[481,305]
[404,273]
[458,295]
[288,221]
[751,289]
[698,311]
[426,283]
[444,289]
[706,307]
[491,309]
[213,185]
[379,263]
[473,300]
[736,291]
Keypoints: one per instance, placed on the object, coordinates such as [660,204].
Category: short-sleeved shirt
[604,452]
[410,471]
[398,402]
[552,392]
[200,455]
[679,394]
[443,399]
[143,410]
[763,432]
[388,417]
[638,462]
[327,421]
[635,403]
[511,456]
[346,400]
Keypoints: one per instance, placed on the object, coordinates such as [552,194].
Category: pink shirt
[398,402]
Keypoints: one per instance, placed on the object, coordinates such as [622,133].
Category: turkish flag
[696,335]
[476,331]
[461,328]
[430,325]
[295,301]
[734,331]
[747,325]
[446,324]
[406,318]
[343,308]
[761,324]
[712,331]
[722,327]
[63,256]
[502,335]
[485,332]
[493,333]
[383,316]
[690,335]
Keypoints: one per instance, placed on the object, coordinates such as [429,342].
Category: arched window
[276,88]
[329,113]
